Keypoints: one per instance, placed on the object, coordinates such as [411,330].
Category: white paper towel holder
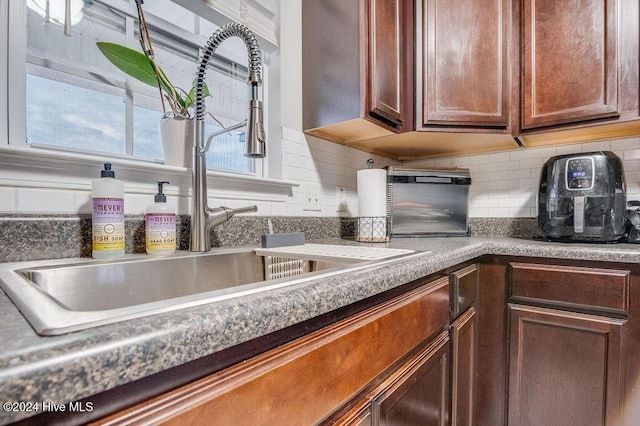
[372,228]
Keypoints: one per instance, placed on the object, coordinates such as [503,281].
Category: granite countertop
[80,364]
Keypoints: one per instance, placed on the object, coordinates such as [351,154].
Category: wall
[505,184]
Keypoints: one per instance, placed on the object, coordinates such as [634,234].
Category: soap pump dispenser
[107,215]
[160,225]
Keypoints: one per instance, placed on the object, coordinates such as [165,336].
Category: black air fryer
[582,197]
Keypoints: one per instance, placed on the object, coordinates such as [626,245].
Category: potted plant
[144,68]
[177,124]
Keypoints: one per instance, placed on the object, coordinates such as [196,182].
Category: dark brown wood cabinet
[416,393]
[566,346]
[419,393]
[357,68]
[312,377]
[478,73]
[389,73]
[569,61]
[463,63]
[565,368]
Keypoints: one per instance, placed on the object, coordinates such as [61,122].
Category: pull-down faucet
[203,218]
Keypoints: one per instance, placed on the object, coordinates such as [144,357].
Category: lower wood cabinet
[307,380]
[565,368]
[567,347]
[417,393]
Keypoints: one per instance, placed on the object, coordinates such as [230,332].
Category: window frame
[13,56]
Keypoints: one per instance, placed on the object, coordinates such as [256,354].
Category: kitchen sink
[58,297]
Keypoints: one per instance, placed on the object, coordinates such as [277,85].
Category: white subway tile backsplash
[532,163]
[499,157]
[479,159]
[509,202]
[519,173]
[498,212]
[633,154]
[571,149]
[483,186]
[44,201]
[8,200]
[485,203]
[519,192]
[625,144]
[484,168]
[509,165]
[521,154]
[462,162]
[543,153]
[83,202]
[507,184]
[478,212]
[596,146]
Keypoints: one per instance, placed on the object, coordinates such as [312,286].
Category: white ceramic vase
[177,135]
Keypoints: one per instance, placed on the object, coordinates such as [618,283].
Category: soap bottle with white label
[160,225]
[107,215]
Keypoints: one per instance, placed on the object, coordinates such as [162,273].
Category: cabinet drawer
[591,289]
[464,289]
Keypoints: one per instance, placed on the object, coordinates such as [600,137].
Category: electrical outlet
[312,194]
[341,199]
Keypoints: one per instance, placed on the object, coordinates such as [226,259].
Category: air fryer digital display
[580,173]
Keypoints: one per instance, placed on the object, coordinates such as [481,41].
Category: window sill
[51,169]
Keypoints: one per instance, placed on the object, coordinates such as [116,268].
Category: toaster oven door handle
[578,214]
[448,180]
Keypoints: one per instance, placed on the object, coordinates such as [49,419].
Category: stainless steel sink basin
[57,297]
[99,286]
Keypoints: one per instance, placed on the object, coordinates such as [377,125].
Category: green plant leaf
[191,97]
[129,61]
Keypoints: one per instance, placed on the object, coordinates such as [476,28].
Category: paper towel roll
[372,192]
[372,205]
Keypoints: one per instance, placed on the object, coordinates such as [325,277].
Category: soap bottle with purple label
[107,217]
[160,225]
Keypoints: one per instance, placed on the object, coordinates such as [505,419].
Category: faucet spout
[220,215]
[204,218]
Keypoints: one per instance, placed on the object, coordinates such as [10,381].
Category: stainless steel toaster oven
[428,202]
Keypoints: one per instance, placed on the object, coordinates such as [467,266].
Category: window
[76,100]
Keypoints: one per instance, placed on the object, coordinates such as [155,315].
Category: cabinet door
[463,369]
[418,393]
[564,368]
[390,61]
[464,63]
[569,61]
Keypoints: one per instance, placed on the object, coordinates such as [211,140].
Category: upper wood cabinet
[463,63]
[478,73]
[390,62]
[357,68]
[570,61]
